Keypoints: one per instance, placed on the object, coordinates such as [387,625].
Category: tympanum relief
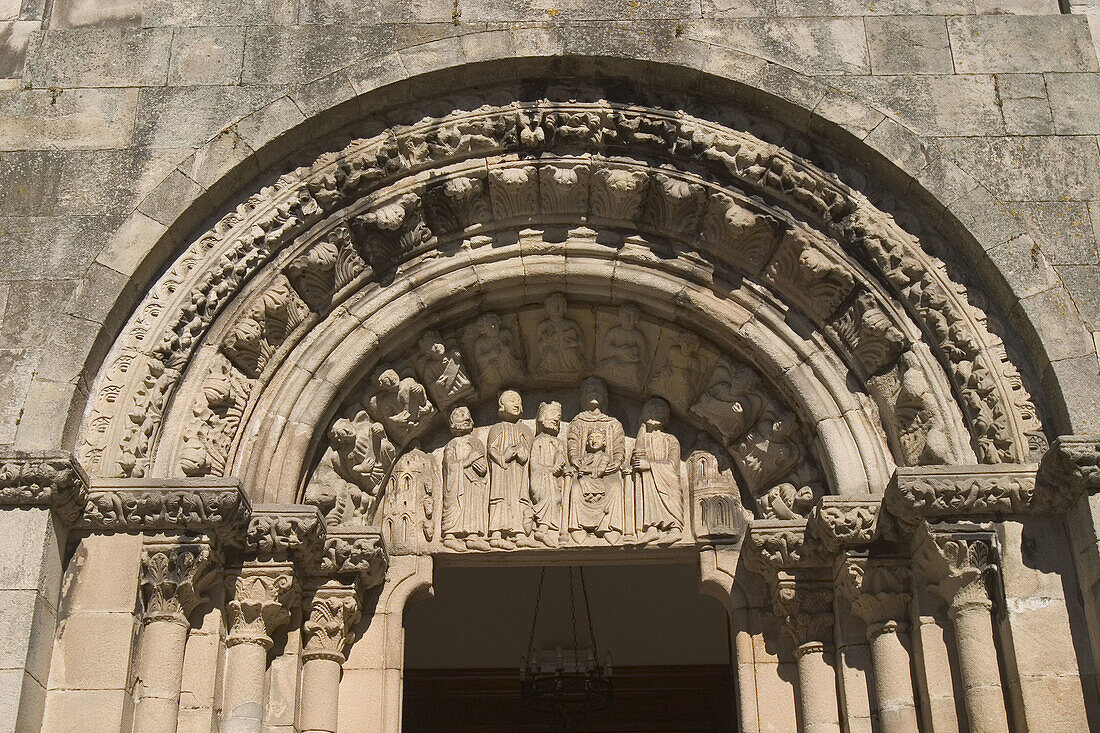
[565,427]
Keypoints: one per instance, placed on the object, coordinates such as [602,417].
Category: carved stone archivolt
[653,191]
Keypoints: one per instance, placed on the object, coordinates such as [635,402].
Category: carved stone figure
[768,451]
[401,405]
[732,401]
[677,376]
[623,348]
[786,501]
[597,450]
[349,479]
[509,446]
[440,366]
[560,347]
[656,466]
[465,513]
[494,354]
[548,467]
[921,429]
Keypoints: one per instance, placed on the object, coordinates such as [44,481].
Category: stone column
[264,595]
[878,591]
[334,609]
[174,571]
[807,610]
[959,560]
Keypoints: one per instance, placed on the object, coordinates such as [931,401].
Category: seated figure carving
[401,405]
[597,451]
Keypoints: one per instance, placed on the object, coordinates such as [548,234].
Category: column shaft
[748,715]
[320,695]
[245,671]
[160,675]
[978,667]
[817,689]
[893,679]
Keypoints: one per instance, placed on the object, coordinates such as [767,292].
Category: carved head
[549,417]
[555,306]
[462,422]
[593,393]
[689,342]
[628,317]
[342,433]
[489,324]
[510,405]
[388,380]
[596,441]
[431,344]
[655,413]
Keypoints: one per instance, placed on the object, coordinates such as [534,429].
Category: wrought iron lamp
[565,685]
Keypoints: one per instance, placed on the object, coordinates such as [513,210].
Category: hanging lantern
[565,685]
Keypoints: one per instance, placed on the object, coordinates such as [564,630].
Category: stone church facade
[306,302]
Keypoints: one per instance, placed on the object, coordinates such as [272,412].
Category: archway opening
[672,660]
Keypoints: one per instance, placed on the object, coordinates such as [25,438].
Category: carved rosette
[878,591]
[334,610]
[961,562]
[43,479]
[807,611]
[264,596]
[175,574]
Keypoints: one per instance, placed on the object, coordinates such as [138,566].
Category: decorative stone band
[1070,468]
[176,572]
[286,530]
[957,492]
[207,505]
[43,479]
[773,545]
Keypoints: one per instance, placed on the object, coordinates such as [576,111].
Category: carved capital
[1069,469]
[335,608]
[264,596]
[203,505]
[279,531]
[846,521]
[946,492]
[176,572]
[355,552]
[878,591]
[43,479]
[807,610]
[960,561]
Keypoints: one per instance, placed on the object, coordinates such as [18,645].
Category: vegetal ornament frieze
[944,492]
[43,479]
[665,174]
[217,506]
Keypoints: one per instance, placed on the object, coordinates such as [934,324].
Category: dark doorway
[672,662]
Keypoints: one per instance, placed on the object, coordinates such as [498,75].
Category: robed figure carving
[656,466]
[597,450]
[509,447]
[560,345]
[465,513]
[623,348]
[548,468]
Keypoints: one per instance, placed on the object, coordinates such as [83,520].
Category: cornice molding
[47,479]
